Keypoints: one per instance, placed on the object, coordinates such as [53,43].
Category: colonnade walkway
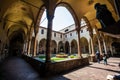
[15,68]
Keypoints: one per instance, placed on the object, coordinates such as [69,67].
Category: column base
[92,58]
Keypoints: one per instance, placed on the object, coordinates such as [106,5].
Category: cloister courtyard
[33,47]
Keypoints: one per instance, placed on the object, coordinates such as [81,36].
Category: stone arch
[84,45]
[53,47]
[88,25]
[67,47]
[42,46]
[12,17]
[60,47]
[71,10]
[74,47]
[16,43]
[39,15]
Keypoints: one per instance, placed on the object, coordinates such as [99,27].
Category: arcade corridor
[22,35]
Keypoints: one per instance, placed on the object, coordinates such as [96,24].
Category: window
[42,31]
[81,31]
[66,35]
[87,29]
[66,30]
[70,34]
[54,34]
[76,32]
[61,35]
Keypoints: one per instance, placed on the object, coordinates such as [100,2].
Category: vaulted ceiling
[22,15]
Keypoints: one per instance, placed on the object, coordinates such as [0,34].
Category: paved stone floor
[94,71]
[18,69]
[15,68]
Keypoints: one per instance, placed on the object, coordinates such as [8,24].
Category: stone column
[92,47]
[49,35]
[89,47]
[111,49]
[25,47]
[91,41]
[99,45]
[28,47]
[79,48]
[92,56]
[70,48]
[35,46]
[105,49]
[36,29]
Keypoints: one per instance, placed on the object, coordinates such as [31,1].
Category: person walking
[105,58]
[98,56]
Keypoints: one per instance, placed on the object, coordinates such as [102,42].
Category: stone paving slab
[94,71]
[15,68]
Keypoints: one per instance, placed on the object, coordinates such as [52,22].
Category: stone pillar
[35,46]
[111,49]
[70,48]
[79,48]
[99,45]
[92,56]
[92,47]
[28,47]
[89,47]
[25,48]
[36,29]
[105,49]
[49,35]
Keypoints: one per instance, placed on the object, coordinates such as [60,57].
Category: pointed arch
[42,46]
[71,10]
[84,45]
[67,47]
[74,47]
[53,47]
[60,46]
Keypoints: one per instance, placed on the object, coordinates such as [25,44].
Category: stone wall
[55,67]
[67,65]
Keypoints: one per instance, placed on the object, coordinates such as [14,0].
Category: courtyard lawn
[57,59]
[42,57]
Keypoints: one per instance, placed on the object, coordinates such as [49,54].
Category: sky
[62,18]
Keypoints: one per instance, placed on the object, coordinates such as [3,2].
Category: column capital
[50,17]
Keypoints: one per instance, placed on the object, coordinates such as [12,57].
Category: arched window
[54,34]
[61,35]
[42,31]
[66,35]
[70,34]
